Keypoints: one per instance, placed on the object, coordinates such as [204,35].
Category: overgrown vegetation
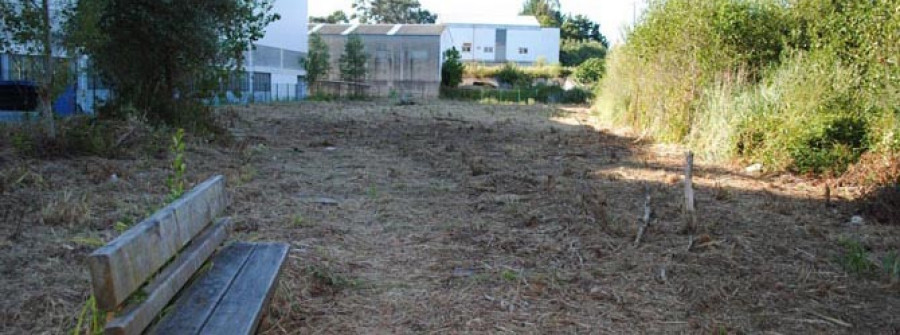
[543,71]
[452,68]
[805,85]
[539,93]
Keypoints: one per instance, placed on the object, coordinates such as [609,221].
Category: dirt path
[465,218]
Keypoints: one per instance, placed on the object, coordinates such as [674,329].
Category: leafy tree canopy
[190,48]
[392,11]
[546,11]
[581,28]
[337,17]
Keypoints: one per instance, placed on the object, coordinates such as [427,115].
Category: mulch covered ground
[452,217]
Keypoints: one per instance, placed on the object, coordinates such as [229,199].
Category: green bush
[480,71]
[574,53]
[807,86]
[540,93]
[591,71]
[511,74]
[452,68]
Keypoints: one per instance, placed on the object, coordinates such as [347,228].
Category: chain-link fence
[261,94]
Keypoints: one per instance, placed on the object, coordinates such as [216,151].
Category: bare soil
[450,217]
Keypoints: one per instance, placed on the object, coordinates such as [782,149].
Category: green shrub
[591,71]
[539,93]
[481,71]
[807,86]
[574,53]
[452,68]
[511,74]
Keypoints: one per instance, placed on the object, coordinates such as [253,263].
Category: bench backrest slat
[125,264]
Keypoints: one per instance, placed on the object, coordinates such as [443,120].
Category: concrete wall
[397,64]
[540,42]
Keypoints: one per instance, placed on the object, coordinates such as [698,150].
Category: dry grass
[466,218]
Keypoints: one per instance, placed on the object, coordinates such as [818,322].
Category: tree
[317,63]
[337,17]
[190,49]
[392,11]
[353,60]
[591,71]
[546,11]
[581,28]
[452,69]
[573,53]
[27,27]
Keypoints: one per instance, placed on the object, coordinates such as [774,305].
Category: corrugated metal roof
[373,29]
[331,29]
[379,29]
[420,30]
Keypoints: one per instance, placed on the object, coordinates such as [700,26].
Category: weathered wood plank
[166,285]
[122,266]
[194,306]
[242,307]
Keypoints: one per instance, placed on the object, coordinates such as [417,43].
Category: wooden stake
[645,218]
[690,213]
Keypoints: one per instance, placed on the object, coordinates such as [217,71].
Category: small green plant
[891,265]
[298,220]
[176,180]
[509,275]
[372,192]
[330,278]
[855,258]
[90,320]
[88,241]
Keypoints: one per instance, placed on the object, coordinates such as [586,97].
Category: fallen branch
[645,219]
[450,119]
[836,321]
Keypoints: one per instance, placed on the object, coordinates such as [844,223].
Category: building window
[489,50]
[262,82]
[238,82]
[523,51]
[467,47]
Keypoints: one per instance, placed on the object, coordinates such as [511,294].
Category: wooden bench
[137,276]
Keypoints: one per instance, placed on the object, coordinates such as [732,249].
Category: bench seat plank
[197,302]
[242,308]
[166,284]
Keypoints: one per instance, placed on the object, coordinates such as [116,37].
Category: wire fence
[526,95]
[271,93]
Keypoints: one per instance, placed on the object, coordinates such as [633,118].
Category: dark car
[18,96]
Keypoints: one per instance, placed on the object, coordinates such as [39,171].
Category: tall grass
[804,85]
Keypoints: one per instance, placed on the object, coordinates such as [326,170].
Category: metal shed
[403,58]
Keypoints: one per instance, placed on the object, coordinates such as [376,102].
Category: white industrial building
[519,39]
[273,66]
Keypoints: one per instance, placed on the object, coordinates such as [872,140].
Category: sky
[612,15]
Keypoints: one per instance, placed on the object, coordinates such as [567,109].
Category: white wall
[288,33]
[541,42]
